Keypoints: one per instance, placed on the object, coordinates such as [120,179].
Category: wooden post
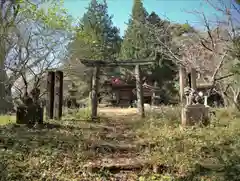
[50,95]
[139,88]
[182,83]
[194,79]
[94,92]
[58,101]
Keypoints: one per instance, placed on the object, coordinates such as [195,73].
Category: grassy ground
[122,147]
[6,119]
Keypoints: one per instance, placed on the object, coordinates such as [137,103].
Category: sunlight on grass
[6,119]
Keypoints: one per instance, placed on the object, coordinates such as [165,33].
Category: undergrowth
[59,149]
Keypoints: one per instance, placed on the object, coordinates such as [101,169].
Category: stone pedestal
[195,114]
[29,114]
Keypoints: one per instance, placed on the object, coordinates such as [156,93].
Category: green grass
[60,149]
[207,153]
[6,119]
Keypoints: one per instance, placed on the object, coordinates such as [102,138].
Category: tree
[96,38]
[34,36]
[164,70]
[221,42]
[133,45]
[8,16]
[97,34]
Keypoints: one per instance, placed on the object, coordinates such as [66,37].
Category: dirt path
[118,111]
[120,149]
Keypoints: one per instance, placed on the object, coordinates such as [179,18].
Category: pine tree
[96,39]
[138,11]
[97,31]
[134,46]
[164,70]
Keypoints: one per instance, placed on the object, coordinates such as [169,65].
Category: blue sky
[174,10]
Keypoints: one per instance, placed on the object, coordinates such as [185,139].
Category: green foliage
[134,43]
[142,41]
[80,114]
[50,13]
[95,38]
[139,13]
[96,34]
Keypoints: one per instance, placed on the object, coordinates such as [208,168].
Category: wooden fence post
[139,89]
[50,95]
[94,92]
[58,100]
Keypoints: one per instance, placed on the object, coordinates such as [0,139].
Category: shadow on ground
[60,150]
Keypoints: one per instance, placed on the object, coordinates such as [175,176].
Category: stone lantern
[72,93]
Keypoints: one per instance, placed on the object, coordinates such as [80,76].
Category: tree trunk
[139,88]
[94,92]
[5,91]
[225,100]
[236,100]
[58,95]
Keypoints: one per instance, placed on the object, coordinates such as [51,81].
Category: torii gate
[97,64]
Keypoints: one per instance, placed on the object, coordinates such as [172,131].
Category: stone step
[115,165]
[106,147]
[123,164]
[122,146]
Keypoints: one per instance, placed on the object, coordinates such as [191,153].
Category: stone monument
[196,110]
[30,111]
